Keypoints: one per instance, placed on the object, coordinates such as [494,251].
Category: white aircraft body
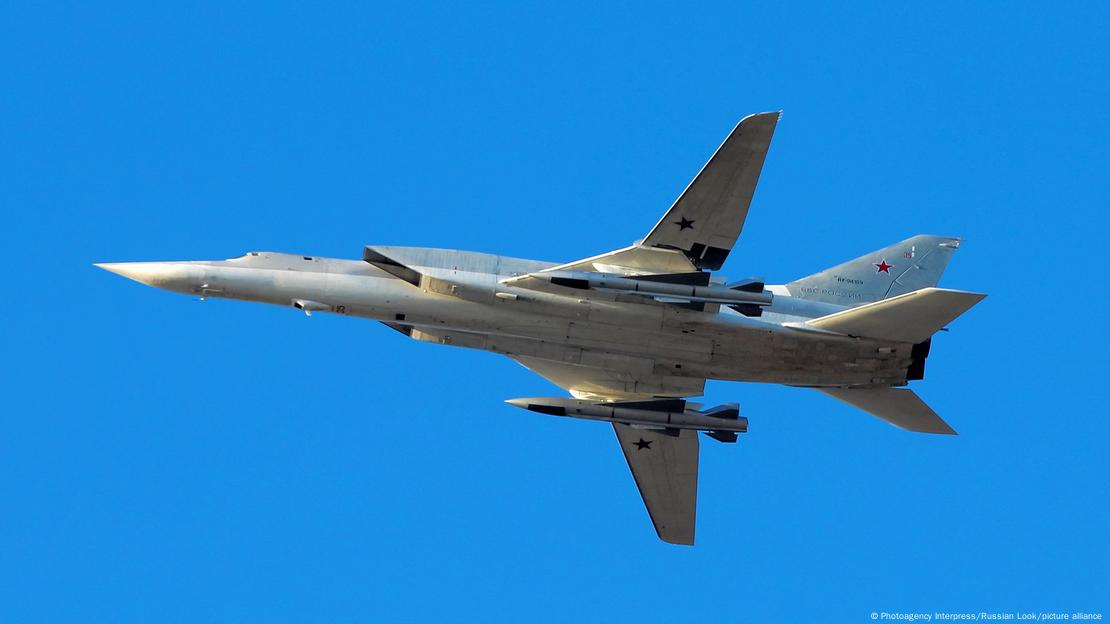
[631,334]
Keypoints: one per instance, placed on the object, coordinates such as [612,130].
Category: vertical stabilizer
[910,265]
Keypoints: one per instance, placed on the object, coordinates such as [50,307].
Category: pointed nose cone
[149,273]
[521,403]
[181,277]
[115,267]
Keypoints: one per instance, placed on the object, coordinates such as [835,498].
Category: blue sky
[168,460]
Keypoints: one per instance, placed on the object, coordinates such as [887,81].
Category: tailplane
[898,406]
[912,264]
[912,317]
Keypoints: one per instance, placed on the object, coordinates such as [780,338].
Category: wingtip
[677,540]
[764,115]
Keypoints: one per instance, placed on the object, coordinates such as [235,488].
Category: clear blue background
[167,460]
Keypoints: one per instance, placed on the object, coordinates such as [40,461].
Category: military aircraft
[632,334]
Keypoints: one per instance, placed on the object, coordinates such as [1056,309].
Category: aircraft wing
[665,468]
[633,260]
[702,226]
[664,462]
[589,382]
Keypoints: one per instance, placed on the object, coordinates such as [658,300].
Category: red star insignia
[883,267]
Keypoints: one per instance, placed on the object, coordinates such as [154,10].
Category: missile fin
[728,437]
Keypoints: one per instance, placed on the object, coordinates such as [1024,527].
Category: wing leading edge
[701,227]
[707,218]
[600,384]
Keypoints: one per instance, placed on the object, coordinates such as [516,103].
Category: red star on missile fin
[883,267]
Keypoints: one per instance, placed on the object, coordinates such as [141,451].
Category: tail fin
[912,317]
[899,407]
[903,267]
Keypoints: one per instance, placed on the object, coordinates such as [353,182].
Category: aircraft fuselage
[476,310]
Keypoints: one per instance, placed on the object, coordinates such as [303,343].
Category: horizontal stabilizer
[912,317]
[898,406]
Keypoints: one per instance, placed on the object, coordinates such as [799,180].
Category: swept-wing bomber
[633,334]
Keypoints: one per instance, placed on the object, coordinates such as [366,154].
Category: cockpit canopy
[273,259]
